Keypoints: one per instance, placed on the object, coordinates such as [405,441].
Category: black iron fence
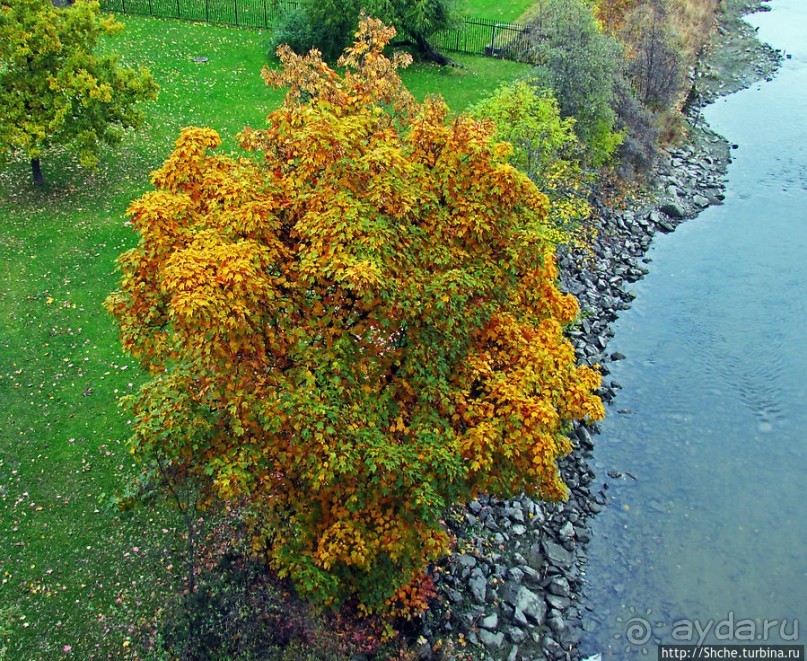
[480,36]
[247,13]
[477,36]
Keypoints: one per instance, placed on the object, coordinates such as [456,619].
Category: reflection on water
[714,529]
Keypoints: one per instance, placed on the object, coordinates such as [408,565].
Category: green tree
[329,25]
[55,90]
[351,326]
[418,20]
[579,62]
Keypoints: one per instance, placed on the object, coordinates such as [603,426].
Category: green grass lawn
[507,11]
[76,577]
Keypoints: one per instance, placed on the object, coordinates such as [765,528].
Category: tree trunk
[36,170]
[429,54]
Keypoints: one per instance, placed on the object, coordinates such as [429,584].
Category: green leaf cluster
[329,25]
[545,147]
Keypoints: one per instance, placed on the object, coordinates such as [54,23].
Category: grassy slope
[75,577]
[498,10]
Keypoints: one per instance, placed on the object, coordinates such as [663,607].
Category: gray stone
[509,592]
[519,619]
[532,605]
[552,647]
[491,622]
[673,210]
[559,586]
[466,560]
[517,513]
[557,555]
[515,574]
[454,595]
[531,575]
[567,529]
[557,624]
[515,634]
[491,640]
[478,585]
[534,556]
[507,612]
[558,602]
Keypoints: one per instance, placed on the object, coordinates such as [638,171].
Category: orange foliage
[352,326]
[612,13]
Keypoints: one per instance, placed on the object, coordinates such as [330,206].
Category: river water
[711,535]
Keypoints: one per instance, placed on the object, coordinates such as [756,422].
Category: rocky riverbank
[512,589]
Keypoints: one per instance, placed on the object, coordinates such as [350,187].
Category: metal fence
[480,36]
[247,13]
[477,36]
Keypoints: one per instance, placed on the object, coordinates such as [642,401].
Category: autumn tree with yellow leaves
[57,89]
[351,326]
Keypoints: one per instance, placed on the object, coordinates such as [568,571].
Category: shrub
[639,148]
[351,326]
[329,25]
[295,29]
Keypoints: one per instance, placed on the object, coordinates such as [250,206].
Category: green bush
[329,25]
[294,28]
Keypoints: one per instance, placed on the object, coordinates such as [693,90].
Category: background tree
[353,328]
[578,62]
[655,64]
[326,25]
[639,148]
[329,25]
[55,90]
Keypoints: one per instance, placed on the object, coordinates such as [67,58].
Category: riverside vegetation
[72,559]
